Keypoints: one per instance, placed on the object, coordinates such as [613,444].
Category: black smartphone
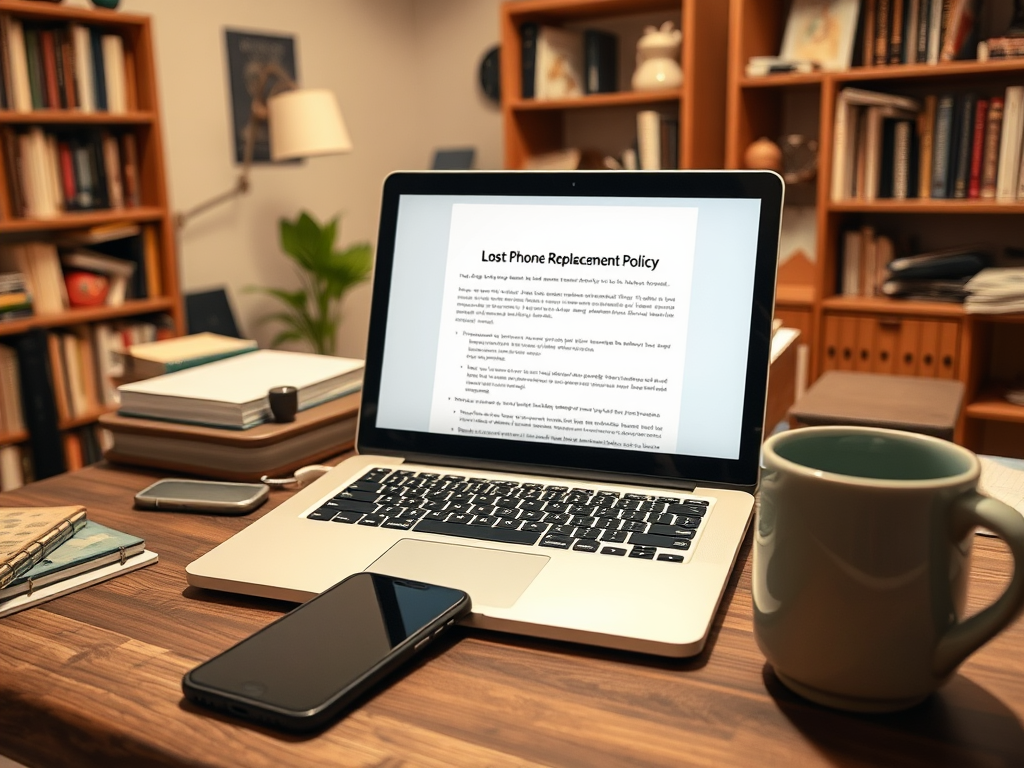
[301,671]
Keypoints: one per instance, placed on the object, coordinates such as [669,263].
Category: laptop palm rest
[490,576]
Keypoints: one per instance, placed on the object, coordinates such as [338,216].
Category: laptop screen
[588,323]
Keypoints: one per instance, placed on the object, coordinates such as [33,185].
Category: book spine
[67,58]
[888,158]
[48,55]
[99,76]
[911,14]
[648,139]
[34,62]
[990,153]
[965,123]
[883,16]
[921,34]
[528,47]
[896,32]
[870,10]
[38,399]
[901,185]
[977,149]
[941,146]
[600,61]
[935,31]
[1009,144]
[925,131]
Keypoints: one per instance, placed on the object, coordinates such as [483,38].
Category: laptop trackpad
[490,576]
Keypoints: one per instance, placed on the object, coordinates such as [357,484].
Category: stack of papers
[233,393]
[996,290]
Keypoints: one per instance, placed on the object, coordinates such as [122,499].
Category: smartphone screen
[314,660]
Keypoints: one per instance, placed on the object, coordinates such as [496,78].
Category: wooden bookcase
[877,333]
[142,120]
[606,122]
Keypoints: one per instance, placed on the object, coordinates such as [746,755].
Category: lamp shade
[306,122]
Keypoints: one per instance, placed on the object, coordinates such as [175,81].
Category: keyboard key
[374,520]
[350,505]
[532,505]
[687,509]
[484,520]
[615,536]
[508,523]
[364,486]
[556,541]
[564,530]
[534,527]
[460,518]
[324,513]
[670,558]
[586,546]
[676,531]
[634,525]
[653,540]
[642,553]
[688,521]
[437,515]
[613,551]
[664,518]
[502,535]
[557,518]
[358,495]
[402,525]
[588,533]
[557,506]
[532,516]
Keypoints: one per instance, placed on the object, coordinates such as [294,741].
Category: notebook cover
[28,534]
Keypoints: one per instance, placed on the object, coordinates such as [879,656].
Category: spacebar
[503,535]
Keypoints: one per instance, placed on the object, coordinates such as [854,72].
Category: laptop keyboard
[585,520]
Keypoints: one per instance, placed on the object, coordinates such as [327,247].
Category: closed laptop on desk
[562,406]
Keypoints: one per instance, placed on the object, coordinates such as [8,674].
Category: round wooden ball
[763,154]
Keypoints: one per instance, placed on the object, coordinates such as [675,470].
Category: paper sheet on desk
[1002,479]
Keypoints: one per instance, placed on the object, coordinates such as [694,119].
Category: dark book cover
[6,84]
[40,408]
[131,249]
[99,76]
[886,173]
[34,62]
[600,61]
[48,53]
[966,106]
[941,147]
[12,170]
[924,16]
[977,148]
[58,36]
[528,41]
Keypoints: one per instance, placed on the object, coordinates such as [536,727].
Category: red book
[977,147]
[67,174]
[990,153]
[51,90]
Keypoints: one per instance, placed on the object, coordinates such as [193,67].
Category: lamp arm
[257,112]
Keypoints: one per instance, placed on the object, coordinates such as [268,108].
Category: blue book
[942,148]
[92,547]
[99,77]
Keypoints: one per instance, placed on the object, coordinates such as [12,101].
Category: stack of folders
[46,552]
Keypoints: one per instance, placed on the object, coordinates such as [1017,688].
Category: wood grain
[93,678]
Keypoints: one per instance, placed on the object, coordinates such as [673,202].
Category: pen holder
[284,403]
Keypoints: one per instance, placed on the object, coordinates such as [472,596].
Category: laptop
[562,408]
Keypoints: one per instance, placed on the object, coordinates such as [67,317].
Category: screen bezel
[673,470]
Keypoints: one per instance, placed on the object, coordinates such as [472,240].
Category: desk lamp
[304,122]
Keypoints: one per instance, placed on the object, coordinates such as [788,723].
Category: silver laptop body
[562,409]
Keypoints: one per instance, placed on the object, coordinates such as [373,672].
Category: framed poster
[248,56]
[821,31]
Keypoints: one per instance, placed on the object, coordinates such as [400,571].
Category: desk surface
[94,678]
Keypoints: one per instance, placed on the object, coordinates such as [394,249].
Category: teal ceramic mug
[861,558]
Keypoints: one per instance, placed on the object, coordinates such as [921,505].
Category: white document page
[565,324]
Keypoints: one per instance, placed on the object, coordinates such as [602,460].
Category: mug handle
[964,638]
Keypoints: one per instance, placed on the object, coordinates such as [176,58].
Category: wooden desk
[93,678]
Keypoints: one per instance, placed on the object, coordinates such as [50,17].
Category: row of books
[562,63]
[85,446]
[51,172]
[61,66]
[58,550]
[917,31]
[124,255]
[944,146]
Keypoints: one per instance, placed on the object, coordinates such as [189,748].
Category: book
[12,475]
[853,241]
[22,90]
[38,403]
[977,148]
[921,33]
[559,68]
[75,583]
[99,74]
[648,139]
[935,31]
[118,271]
[883,17]
[927,290]
[81,44]
[896,24]
[268,449]
[12,420]
[990,151]
[911,15]
[528,50]
[1010,143]
[946,264]
[156,358]
[28,534]
[958,29]
[601,61]
[942,146]
[112,49]
[967,106]
[92,546]
[232,393]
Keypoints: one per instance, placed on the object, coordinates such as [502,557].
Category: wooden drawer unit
[917,346]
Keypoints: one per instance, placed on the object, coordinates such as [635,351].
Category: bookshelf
[876,333]
[105,190]
[606,122]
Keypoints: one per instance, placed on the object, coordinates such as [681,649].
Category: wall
[405,75]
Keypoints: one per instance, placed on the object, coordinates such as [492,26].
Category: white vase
[657,59]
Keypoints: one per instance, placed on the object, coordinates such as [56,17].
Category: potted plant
[311,314]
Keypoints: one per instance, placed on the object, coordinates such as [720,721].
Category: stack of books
[996,290]
[46,552]
[15,299]
[938,275]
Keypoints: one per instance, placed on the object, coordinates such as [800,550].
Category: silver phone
[186,495]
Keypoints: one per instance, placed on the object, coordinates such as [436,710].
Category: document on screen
[565,324]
